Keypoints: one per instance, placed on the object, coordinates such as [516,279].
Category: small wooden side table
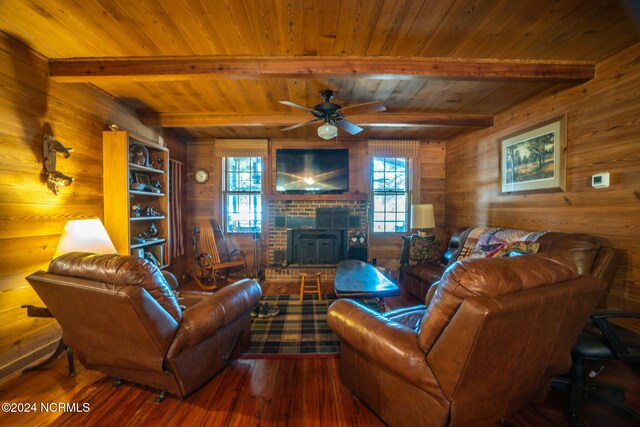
[310,289]
[33,311]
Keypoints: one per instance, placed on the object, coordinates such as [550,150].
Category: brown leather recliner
[494,334]
[121,317]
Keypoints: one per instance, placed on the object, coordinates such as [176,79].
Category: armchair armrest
[601,319]
[388,343]
[211,313]
[191,298]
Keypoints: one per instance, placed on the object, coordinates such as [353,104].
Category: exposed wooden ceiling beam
[241,67]
[387,119]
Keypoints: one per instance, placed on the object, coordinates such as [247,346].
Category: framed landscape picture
[535,159]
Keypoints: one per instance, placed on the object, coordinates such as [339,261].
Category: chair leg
[319,284]
[301,288]
[577,389]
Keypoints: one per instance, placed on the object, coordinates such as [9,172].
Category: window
[389,183]
[243,194]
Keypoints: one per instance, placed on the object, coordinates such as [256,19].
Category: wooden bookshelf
[124,226]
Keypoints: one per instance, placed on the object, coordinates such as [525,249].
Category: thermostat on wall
[600,180]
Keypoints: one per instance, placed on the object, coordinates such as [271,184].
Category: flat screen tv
[312,170]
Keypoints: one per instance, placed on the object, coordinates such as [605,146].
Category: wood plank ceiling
[218,68]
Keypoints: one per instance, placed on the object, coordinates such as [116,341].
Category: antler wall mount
[51,147]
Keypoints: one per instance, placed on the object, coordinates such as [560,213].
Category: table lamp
[84,235]
[422,218]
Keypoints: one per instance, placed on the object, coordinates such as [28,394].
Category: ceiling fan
[333,115]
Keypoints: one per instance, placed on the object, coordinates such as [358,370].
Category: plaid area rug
[299,330]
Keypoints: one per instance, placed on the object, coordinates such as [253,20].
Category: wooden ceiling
[218,68]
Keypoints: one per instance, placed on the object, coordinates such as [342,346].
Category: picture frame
[142,178]
[534,160]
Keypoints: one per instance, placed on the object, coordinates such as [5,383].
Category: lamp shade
[327,131]
[84,235]
[422,217]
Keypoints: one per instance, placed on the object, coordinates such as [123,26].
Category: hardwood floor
[263,392]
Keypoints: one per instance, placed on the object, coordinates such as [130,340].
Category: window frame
[226,193]
[406,192]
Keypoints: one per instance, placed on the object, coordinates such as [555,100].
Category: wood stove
[316,246]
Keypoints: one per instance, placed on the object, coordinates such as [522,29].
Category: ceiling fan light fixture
[327,131]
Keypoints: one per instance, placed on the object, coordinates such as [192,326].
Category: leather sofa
[590,254]
[122,317]
[495,333]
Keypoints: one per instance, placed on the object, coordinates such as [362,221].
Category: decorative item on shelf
[136,210]
[137,186]
[158,163]
[152,231]
[55,180]
[139,155]
[150,211]
[157,185]
[142,178]
[422,218]
[142,237]
[152,258]
[201,176]
[138,239]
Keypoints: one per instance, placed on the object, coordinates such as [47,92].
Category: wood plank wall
[204,200]
[603,136]
[31,216]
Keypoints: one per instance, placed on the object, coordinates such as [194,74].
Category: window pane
[244,199]
[378,181]
[389,184]
[378,164]
[244,213]
[401,203]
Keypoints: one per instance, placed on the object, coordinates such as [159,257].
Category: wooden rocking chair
[213,255]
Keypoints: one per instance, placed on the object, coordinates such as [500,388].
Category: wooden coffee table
[357,279]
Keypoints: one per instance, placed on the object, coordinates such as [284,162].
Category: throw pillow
[425,250]
[406,248]
[514,248]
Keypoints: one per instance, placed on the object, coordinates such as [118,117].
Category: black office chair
[601,341]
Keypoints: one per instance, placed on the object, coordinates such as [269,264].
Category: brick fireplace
[319,230]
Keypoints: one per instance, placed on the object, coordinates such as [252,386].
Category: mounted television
[312,170]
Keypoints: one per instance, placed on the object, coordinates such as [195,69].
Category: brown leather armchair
[121,317]
[494,334]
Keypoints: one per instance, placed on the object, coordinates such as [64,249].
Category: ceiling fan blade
[367,107]
[348,126]
[291,104]
[301,124]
